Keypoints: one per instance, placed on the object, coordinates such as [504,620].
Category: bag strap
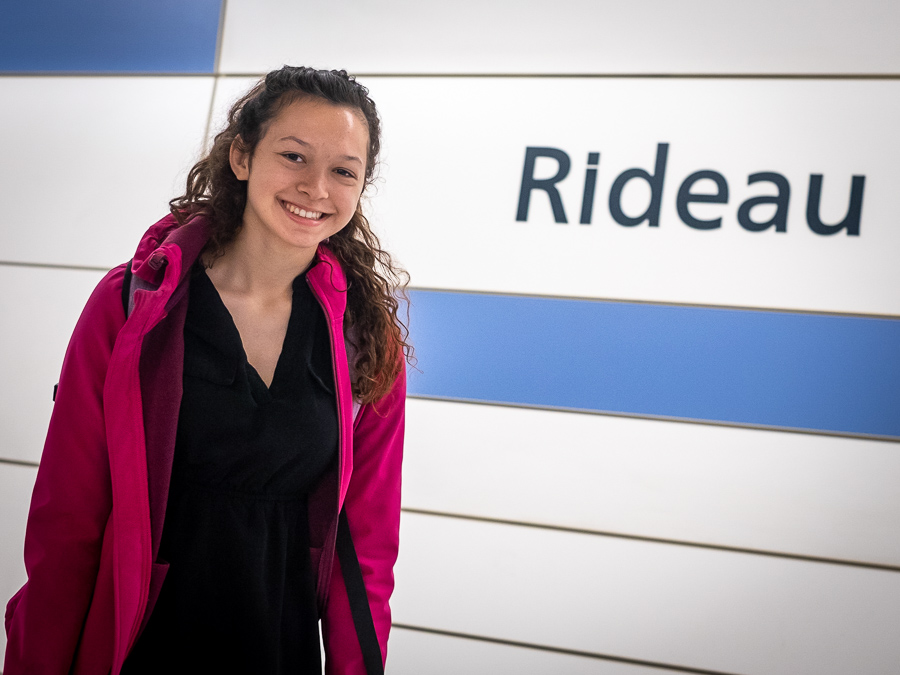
[359,601]
[130,285]
[127,290]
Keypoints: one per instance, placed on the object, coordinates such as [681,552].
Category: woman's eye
[292,156]
[345,172]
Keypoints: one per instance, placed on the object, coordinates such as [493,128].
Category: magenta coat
[99,501]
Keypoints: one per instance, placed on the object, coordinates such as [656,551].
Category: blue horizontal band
[804,371]
[104,36]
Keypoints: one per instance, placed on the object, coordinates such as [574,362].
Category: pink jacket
[99,501]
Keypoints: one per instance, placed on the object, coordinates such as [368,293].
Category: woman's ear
[239,159]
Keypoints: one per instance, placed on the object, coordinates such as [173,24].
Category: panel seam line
[18,462]
[654,540]
[560,650]
[850,77]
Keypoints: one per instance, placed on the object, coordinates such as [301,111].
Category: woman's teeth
[297,211]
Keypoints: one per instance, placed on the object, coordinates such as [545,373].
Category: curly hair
[372,321]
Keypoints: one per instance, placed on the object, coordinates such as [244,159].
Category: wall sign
[686,195]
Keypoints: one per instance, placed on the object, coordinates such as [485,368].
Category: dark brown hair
[376,331]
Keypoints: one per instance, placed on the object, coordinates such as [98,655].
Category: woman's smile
[304,215]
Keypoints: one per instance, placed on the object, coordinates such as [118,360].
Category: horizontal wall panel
[39,311]
[831,373]
[736,127]
[96,162]
[16,484]
[790,493]
[716,610]
[573,36]
[466,139]
[413,652]
[103,36]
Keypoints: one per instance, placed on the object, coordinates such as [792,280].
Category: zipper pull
[157,261]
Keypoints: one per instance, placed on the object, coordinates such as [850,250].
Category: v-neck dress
[239,596]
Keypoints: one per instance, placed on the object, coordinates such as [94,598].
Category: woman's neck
[249,267]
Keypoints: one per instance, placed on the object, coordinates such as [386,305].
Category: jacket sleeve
[372,505]
[71,502]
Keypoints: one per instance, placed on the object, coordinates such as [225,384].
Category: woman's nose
[315,184]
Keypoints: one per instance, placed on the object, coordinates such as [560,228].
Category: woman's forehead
[315,112]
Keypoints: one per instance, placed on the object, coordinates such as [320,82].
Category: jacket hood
[156,246]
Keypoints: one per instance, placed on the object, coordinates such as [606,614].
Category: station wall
[654,422]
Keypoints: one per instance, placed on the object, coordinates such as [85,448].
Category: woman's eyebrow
[294,138]
[349,158]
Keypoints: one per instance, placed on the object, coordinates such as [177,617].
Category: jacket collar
[328,280]
[154,253]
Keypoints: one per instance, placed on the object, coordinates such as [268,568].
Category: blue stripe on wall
[829,373]
[103,36]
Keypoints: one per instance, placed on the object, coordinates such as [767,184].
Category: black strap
[359,602]
[126,288]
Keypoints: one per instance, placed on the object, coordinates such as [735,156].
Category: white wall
[543,540]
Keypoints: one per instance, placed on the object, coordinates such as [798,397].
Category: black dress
[240,596]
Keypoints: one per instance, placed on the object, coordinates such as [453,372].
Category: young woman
[224,397]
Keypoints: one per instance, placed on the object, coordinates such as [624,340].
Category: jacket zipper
[330,541]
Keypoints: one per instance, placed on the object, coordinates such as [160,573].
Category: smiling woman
[228,397]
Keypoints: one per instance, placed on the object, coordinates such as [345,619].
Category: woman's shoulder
[103,314]
[106,299]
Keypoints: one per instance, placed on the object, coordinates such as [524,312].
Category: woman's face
[305,176]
